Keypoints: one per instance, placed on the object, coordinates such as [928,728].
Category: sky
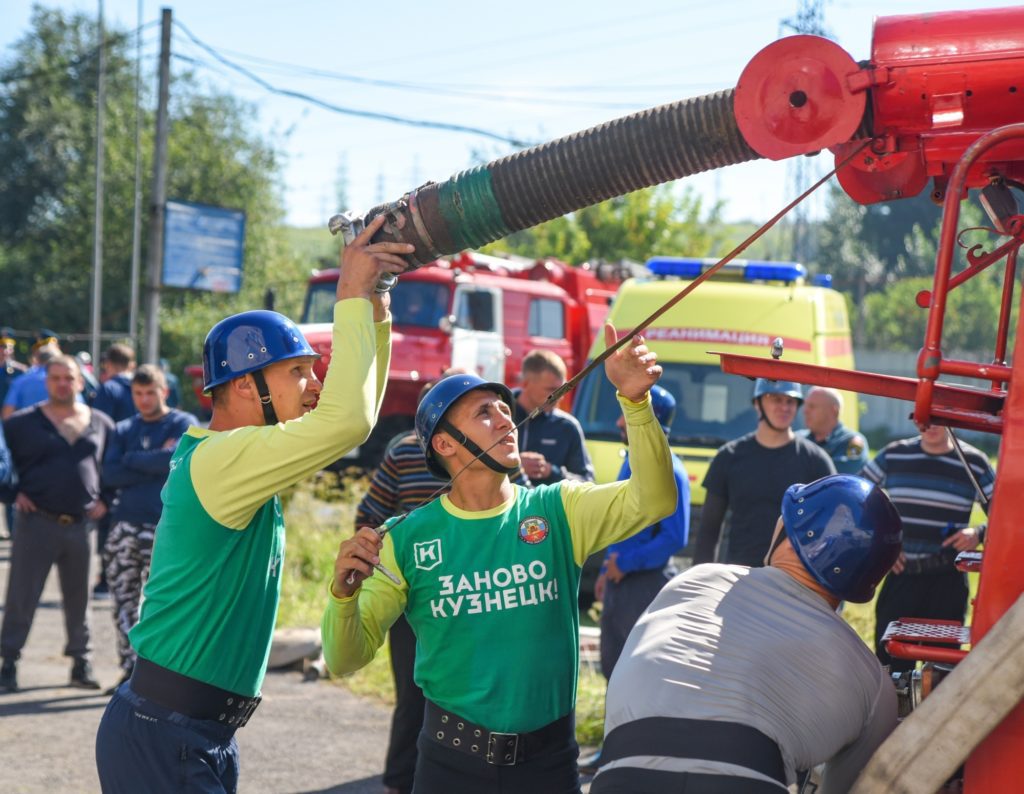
[530,71]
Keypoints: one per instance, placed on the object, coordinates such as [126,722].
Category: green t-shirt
[499,595]
[212,588]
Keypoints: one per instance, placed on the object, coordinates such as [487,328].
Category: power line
[368,114]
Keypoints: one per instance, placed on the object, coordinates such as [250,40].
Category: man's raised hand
[363,262]
[632,369]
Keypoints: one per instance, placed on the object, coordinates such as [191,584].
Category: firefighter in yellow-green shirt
[207,618]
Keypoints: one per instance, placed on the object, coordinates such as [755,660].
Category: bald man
[847,448]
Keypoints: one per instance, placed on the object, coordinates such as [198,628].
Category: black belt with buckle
[190,697]
[495,747]
[64,519]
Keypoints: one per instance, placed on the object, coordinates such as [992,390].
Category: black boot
[82,677]
[9,676]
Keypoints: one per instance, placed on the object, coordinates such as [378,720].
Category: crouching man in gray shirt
[737,677]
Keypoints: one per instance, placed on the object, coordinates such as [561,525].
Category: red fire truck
[476,311]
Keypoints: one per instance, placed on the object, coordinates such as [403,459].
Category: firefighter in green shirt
[488,578]
[208,609]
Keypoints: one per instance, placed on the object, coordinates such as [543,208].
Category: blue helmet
[846,532]
[247,342]
[435,404]
[763,386]
[664,406]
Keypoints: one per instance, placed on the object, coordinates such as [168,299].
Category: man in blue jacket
[635,570]
[551,445]
[114,396]
[137,462]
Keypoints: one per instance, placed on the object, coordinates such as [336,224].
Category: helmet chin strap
[269,414]
[764,416]
[473,449]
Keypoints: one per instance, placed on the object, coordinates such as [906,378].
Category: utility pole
[96,310]
[133,299]
[159,198]
[801,171]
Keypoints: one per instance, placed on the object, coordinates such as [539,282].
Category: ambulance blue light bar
[751,270]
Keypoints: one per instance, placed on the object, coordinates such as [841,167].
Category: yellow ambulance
[741,309]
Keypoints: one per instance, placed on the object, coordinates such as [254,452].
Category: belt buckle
[506,756]
[65,520]
[249,711]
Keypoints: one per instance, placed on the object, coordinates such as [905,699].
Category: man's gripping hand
[363,263]
[633,369]
[356,558]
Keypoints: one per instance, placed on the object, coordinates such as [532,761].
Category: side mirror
[447,323]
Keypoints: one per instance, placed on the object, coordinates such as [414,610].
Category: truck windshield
[421,303]
[711,407]
[412,303]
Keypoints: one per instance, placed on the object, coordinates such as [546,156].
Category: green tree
[47,162]
[893,319]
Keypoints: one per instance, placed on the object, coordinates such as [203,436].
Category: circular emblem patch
[533,530]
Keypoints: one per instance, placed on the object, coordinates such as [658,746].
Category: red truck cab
[476,311]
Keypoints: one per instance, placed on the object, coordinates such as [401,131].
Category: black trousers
[442,770]
[941,595]
[407,718]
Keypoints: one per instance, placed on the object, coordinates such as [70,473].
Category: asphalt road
[306,736]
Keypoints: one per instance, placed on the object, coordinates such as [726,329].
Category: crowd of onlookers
[80,449]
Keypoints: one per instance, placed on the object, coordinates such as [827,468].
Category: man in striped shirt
[934,495]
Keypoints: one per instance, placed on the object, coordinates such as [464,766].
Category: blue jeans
[141,746]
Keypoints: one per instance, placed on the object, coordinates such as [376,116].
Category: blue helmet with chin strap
[763,386]
[431,412]
[664,406]
[846,532]
[244,344]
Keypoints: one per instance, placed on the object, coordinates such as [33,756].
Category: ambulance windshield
[711,407]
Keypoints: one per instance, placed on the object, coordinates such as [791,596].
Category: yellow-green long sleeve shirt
[210,602]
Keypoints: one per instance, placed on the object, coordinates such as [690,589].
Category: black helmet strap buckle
[474,449]
[269,414]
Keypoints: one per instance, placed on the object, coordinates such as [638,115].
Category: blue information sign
[203,247]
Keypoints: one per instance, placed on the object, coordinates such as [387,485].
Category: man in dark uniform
[749,475]
[847,448]
[114,396]
[551,444]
